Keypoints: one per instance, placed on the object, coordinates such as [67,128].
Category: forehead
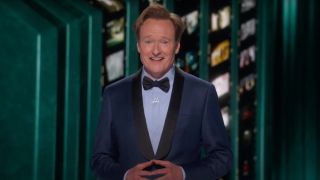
[157,26]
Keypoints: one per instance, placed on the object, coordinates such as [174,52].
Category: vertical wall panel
[68,115]
[50,88]
[28,93]
[91,55]
[204,42]
[132,60]
[265,54]
[311,90]
[295,121]
[80,52]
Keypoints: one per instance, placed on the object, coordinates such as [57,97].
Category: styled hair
[157,11]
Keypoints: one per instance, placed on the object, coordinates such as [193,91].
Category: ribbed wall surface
[50,90]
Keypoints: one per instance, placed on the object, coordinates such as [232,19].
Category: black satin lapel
[140,120]
[172,116]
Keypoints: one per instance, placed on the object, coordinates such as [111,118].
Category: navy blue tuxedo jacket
[193,123]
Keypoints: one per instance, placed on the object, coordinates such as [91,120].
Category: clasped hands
[168,171]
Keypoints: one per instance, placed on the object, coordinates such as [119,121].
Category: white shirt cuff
[183,173]
[125,175]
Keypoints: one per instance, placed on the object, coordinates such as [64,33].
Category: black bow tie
[162,84]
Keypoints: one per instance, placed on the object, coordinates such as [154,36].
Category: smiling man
[154,123]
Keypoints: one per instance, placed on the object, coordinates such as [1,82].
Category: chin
[157,74]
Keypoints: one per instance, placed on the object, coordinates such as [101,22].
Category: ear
[177,48]
[138,48]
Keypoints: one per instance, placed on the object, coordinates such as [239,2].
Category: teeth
[156,58]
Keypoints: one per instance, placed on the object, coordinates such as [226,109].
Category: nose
[156,49]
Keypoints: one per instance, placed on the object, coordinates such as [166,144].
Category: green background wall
[294,144]
[50,88]
[288,98]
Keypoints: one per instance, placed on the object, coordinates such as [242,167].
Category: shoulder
[191,80]
[195,85]
[121,85]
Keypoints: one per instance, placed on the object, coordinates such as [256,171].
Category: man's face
[157,46]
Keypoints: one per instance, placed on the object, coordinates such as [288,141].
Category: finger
[162,163]
[144,165]
[162,178]
[143,178]
[160,171]
[145,173]
[165,177]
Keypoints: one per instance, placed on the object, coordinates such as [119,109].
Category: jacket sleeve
[218,156]
[104,159]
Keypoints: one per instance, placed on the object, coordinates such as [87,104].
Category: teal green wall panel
[131,57]
[266,36]
[91,55]
[68,114]
[56,76]
[312,104]
[295,108]
[28,93]
[79,87]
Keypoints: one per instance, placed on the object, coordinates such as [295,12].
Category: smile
[156,58]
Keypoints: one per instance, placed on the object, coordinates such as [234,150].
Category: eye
[164,41]
[147,41]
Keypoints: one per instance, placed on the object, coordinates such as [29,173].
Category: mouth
[156,58]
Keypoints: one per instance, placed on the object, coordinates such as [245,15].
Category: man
[154,123]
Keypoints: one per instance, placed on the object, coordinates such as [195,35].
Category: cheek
[145,51]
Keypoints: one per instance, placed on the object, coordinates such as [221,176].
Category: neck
[156,76]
